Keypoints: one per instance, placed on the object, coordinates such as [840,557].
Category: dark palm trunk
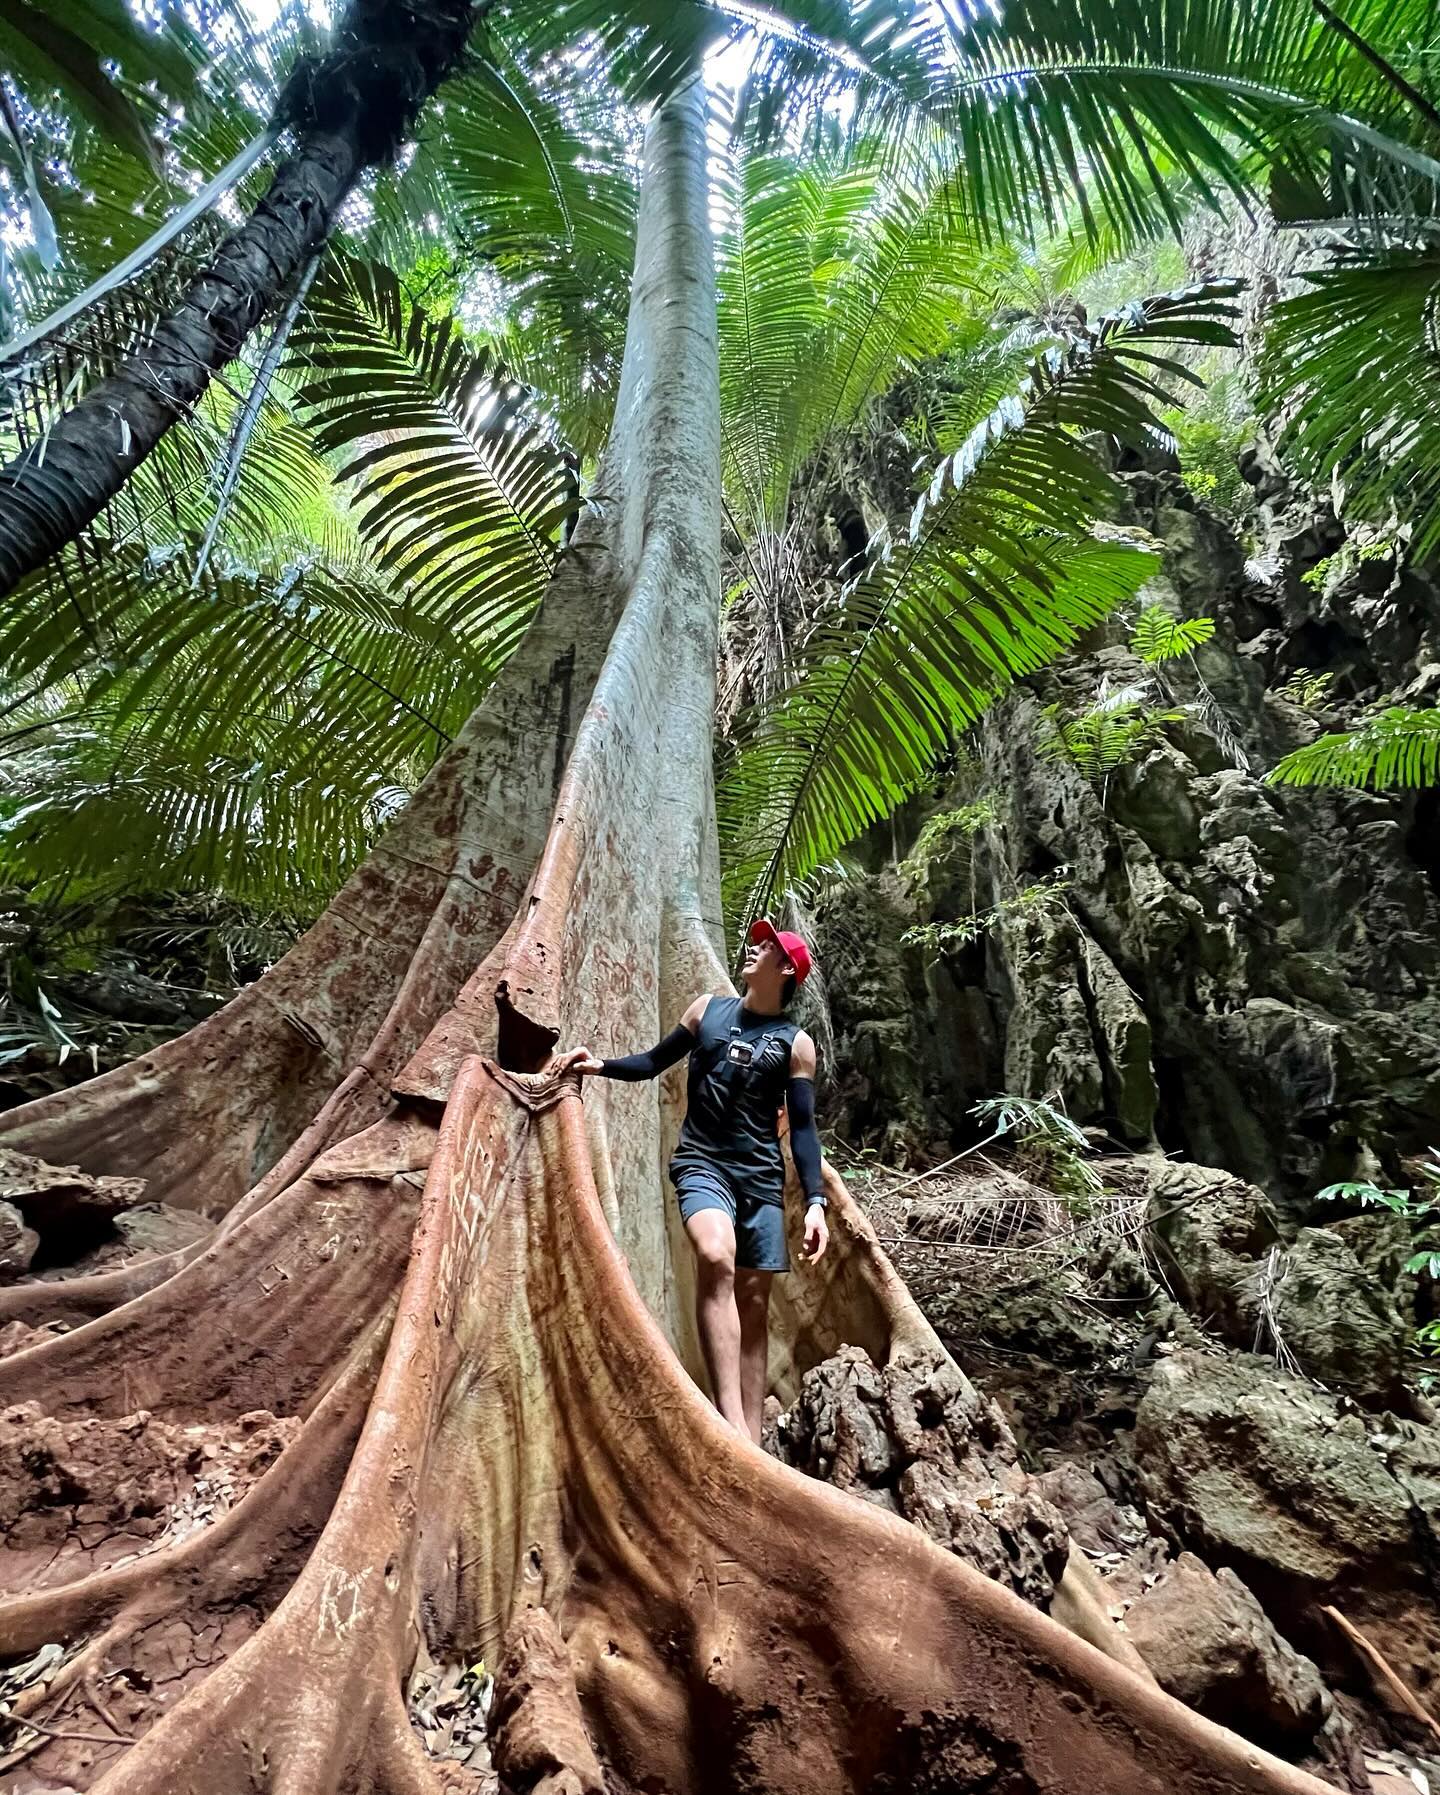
[349,110]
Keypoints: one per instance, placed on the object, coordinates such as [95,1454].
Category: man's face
[766,958]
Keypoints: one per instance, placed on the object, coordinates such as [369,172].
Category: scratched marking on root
[339,1586]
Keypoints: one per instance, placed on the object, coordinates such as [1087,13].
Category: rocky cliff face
[1236,986]
[1244,974]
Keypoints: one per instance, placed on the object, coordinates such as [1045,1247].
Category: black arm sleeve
[804,1141]
[632,1067]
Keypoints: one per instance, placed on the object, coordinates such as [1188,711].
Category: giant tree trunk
[350,110]
[461,1290]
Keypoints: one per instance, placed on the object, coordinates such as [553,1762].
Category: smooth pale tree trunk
[463,1280]
[61,483]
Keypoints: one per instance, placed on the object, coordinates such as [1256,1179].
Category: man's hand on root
[817,1233]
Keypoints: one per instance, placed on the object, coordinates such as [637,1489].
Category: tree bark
[62,482]
[482,1383]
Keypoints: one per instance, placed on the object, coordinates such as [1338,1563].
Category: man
[747,1058]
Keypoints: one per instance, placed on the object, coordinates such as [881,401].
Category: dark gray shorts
[759,1221]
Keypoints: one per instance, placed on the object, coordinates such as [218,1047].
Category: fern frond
[1158,636]
[1353,367]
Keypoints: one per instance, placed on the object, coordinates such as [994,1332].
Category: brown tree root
[74,1301]
[1391,1685]
[307,1054]
[540,1742]
[723,1614]
[283,1298]
[149,1628]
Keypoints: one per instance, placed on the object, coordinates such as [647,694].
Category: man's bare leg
[752,1298]
[712,1234]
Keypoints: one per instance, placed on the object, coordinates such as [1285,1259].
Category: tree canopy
[237,672]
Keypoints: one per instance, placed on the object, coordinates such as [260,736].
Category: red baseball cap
[791,945]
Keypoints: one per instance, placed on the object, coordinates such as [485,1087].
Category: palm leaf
[852,274]
[81,820]
[226,721]
[1081,100]
[212,720]
[1000,575]
[523,188]
[1399,747]
[65,47]
[459,492]
[1107,736]
[1353,369]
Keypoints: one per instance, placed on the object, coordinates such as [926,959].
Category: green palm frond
[1001,574]
[305,653]
[894,302]
[98,56]
[835,277]
[460,494]
[1353,370]
[1081,101]
[520,203]
[1399,747]
[977,376]
[283,490]
[771,316]
[1057,102]
[1158,636]
[214,729]
[80,820]
[244,719]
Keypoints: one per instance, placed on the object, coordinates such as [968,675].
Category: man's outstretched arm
[632,1067]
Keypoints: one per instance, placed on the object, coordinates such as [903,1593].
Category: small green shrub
[1308,690]
[1045,1137]
[1042,898]
[937,842]
[1349,555]
[1209,435]
[936,838]
[1414,1206]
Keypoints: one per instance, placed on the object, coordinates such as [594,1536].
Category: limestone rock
[17,1242]
[918,1438]
[87,1223]
[1049,1042]
[1306,1499]
[1076,1028]
[159,1228]
[1254,971]
[1341,1325]
[914,1045]
[1209,1642]
[1095,1521]
[52,1198]
[1225,1254]
[1212,1231]
[1122,1034]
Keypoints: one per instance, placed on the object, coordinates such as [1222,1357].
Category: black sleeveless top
[739,1067]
